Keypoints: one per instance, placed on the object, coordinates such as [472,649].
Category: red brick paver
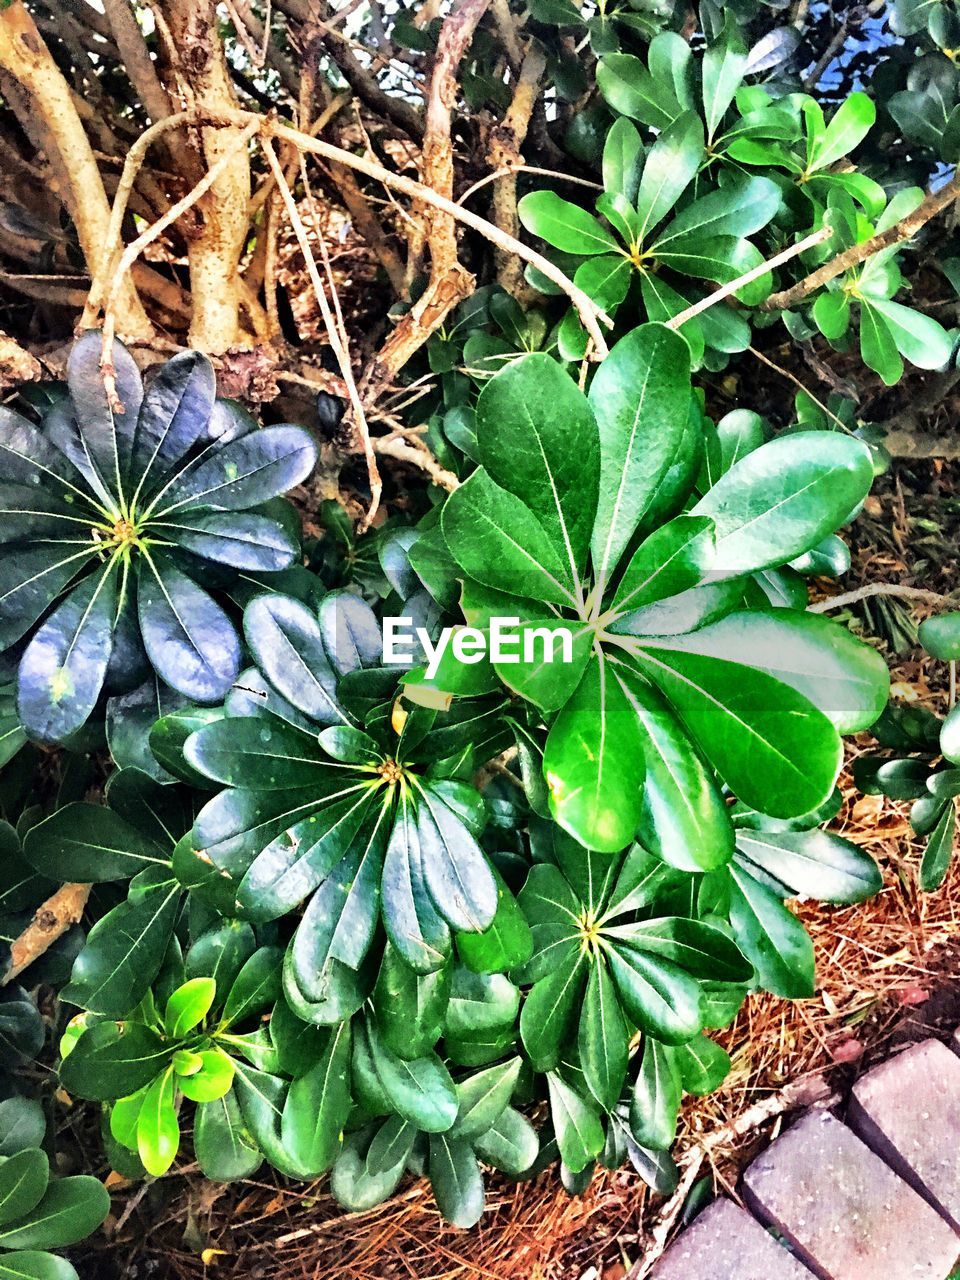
[908,1111]
[847,1214]
[724,1243]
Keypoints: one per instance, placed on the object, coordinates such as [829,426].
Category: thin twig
[343,356]
[391,447]
[50,921]
[894,589]
[727,290]
[905,229]
[791,377]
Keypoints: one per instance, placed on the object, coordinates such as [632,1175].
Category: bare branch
[905,229]
[883,589]
[51,920]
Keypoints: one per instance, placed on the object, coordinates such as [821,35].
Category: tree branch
[894,589]
[905,229]
[51,920]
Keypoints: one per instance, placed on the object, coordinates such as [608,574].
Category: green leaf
[576,1125]
[603,1038]
[456,1180]
[563,225]
[412,922]
[684,819]
[482,1098]
[113,1060]
[317,1106]
[842,677]
[255,988]
[410,1006]
[286,643]
[785,497]
[640,396]
[657,1092]
[419,1089]
[671,166]
[188,638]
[354,1186]
[89,843]
[455,868]
[940,636]
[595,794]
[831,314]
[657,995]
[622,160]
[771,937]
[547,680]
[723,68]
[256,752]
[124,950]
[391,1145]
[188,1006]
[939,850]
[630,89]
[23,1180]
[538,439]
[552,910]
[919,338]
[772,747]
[480,1003]
[22,1124]
[703,1065]
[851,123]
[158,1132]
[31,1264]
[813,864]
[504,944]
[107,434]
[674,558]
[173,415]
[950,737]
[700,949]
[499,541]
[224,1148]
[70,1210]
[510,1144]
[213,1080]
[549,1008]
[63,667]
[877,345]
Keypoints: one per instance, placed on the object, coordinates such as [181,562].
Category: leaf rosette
[113,509]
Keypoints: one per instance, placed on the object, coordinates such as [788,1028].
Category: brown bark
[219,224]
[25,57]
[503,152]
[450,282]
[51,921]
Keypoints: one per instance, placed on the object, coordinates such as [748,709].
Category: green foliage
[920,760]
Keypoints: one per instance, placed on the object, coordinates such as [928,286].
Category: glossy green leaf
[771,937]
[603,1038]
[538,439]
[32,1264]
[592,794]
[785,497]
[410,1006]
[564,225]
[246,471]
[23,1180]
[113,1060]
[188,1006]
[549,1009]
[850,124]
[482,1098]
[499,541]
[317,1106]
[703,1065]
[640,396]
[684,818]
[724,65]
[814,864]
[158,1132]
[655,1100]
[125,948]
[671,166]
[656,994]
[576,1124]
[456,1180]
[224,1148]
[70,1210]
[419,1089]
[89,843]
[939,850]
